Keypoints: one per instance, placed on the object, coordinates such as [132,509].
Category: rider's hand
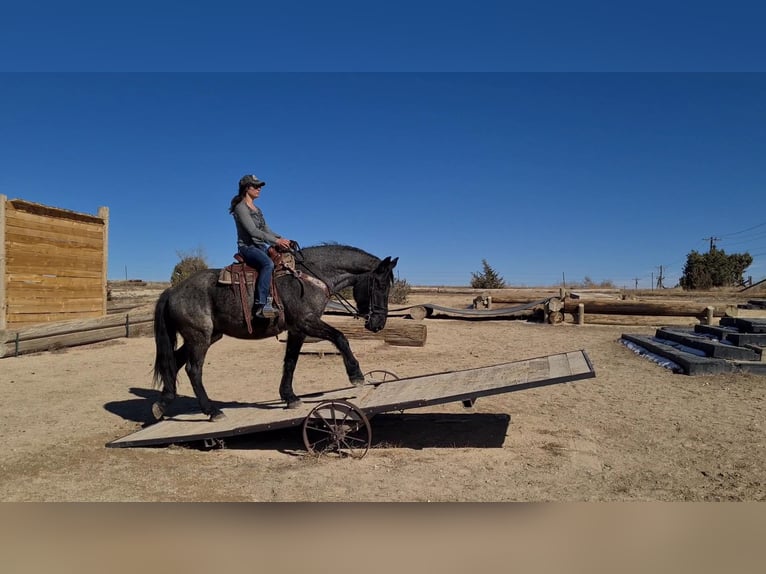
[283,243]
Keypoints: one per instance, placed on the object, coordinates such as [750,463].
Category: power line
[745,230]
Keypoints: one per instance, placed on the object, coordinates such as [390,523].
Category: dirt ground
[634,432]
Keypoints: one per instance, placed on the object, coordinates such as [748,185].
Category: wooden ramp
[373,398]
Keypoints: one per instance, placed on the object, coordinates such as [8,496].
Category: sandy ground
[634,432]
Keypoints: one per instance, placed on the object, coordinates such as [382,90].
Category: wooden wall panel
[53,263]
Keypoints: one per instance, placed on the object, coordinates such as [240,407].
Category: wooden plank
[3,293]
[20,205]
[50,278]
[559,366]
[52,214]
[632,320]
[19,240]
[53,230]
[458,385]
[59,341]
[43,306]
[15,347]
[21,220]
[32,254]
[103,213]
[733,311]
[52,264]
[34,222]
[138,315]
[578,362]
[89,288]
[34,319]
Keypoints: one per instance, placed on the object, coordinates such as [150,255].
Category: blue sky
[443,136]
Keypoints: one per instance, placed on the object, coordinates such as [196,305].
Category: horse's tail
[165,341]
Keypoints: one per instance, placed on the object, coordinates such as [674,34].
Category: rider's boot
[267,311]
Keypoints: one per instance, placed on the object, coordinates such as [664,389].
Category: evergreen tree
[487,278]
[714,269]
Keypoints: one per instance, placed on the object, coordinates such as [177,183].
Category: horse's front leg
[322,330]
[292,352]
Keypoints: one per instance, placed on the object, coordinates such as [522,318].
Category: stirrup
[266,311]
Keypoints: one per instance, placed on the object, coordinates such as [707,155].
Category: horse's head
[371,295]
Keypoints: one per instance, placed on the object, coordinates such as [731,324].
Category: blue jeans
[258,258]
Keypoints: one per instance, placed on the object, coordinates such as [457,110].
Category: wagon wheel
[380,376]
[337,427]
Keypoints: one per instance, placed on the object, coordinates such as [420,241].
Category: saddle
[242,278]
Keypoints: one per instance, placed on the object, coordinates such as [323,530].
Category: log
[734,311]
[138,315]
[632,320]
[400,332]
[655,308]
[52,342]
[35,339]
[418,313]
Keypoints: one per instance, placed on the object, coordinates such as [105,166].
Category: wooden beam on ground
[400,332]
[656,308]
[633,320]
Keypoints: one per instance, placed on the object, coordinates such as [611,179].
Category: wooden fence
[53,263]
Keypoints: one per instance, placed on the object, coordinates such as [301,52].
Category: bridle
[374,307]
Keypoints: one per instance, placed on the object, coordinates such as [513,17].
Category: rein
[345,303]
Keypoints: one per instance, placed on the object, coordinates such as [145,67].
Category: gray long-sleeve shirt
[251,227]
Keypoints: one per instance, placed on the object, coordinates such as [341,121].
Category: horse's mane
[340,247]
[331,254]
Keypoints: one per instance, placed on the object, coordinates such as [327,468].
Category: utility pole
[659,280]
[636,279]
[712,242]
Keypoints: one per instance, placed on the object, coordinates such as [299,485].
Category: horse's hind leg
[294,344]
[197,349]
[168,393]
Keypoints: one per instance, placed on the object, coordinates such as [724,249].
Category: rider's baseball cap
[251,180]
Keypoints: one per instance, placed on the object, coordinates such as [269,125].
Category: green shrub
[399,292]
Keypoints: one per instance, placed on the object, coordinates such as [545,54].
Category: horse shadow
[403,431]
[138,410]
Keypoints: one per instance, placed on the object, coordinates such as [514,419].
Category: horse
[202,311]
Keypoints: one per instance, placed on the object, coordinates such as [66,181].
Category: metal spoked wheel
[380,376]
[339,428]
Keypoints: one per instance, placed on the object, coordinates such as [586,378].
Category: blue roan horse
[201,310]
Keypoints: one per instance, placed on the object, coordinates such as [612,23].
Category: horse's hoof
[157,411]
[217,416]
[358,382]
[294,404]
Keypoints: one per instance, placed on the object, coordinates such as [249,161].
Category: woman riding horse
[202,311]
